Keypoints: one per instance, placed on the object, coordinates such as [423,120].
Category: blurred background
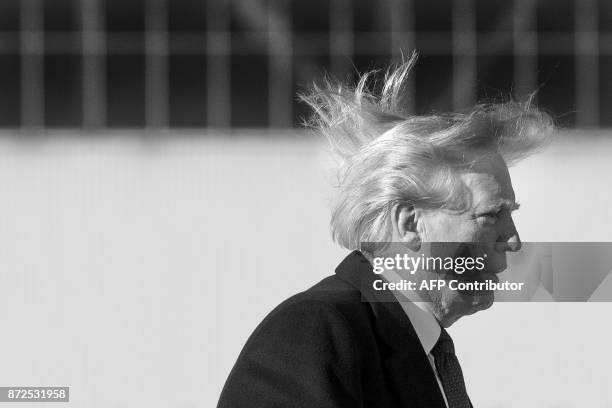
[96,64]
[159,197]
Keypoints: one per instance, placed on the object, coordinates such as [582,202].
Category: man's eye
[490,216]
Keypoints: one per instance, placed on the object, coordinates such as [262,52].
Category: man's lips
[479,277]
[469,250]
[490,276]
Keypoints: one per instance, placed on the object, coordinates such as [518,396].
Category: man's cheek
[485,234]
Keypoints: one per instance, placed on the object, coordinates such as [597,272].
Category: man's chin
[482,301]
[464,305]
[479,298]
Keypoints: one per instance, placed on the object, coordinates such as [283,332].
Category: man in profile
[412,181]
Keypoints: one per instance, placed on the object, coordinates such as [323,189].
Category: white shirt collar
[425,324]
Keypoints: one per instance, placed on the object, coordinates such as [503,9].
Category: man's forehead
[491,188]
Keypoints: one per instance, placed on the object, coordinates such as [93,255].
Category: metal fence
[158,64]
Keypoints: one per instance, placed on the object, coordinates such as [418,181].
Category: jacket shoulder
[332,295]
[309,345]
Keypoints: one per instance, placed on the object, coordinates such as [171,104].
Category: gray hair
[388,156]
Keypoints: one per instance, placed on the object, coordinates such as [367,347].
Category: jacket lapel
[405,360]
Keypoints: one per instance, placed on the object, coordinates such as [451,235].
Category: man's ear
[405,226]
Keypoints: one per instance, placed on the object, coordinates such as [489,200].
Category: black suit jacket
[338,344]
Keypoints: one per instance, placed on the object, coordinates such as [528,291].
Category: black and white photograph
[306,204]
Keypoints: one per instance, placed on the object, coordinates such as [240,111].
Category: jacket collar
[392,323]
[408,364]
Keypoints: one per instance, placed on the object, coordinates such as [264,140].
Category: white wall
[134,271]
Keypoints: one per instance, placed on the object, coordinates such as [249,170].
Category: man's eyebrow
[511,205]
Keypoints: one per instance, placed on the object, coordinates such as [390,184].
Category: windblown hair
[389,157]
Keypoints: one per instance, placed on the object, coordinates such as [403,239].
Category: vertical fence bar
[156,65]
[340,36]
[280,51]
[402,27]
[403,41]
[94,53]
[525,38]
[464,54]
[587,60]
[32,68]
[218,44]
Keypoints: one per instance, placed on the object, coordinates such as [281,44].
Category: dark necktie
[449,372]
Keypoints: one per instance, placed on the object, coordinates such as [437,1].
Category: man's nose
[514,243]
[510,241]
[511,244]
